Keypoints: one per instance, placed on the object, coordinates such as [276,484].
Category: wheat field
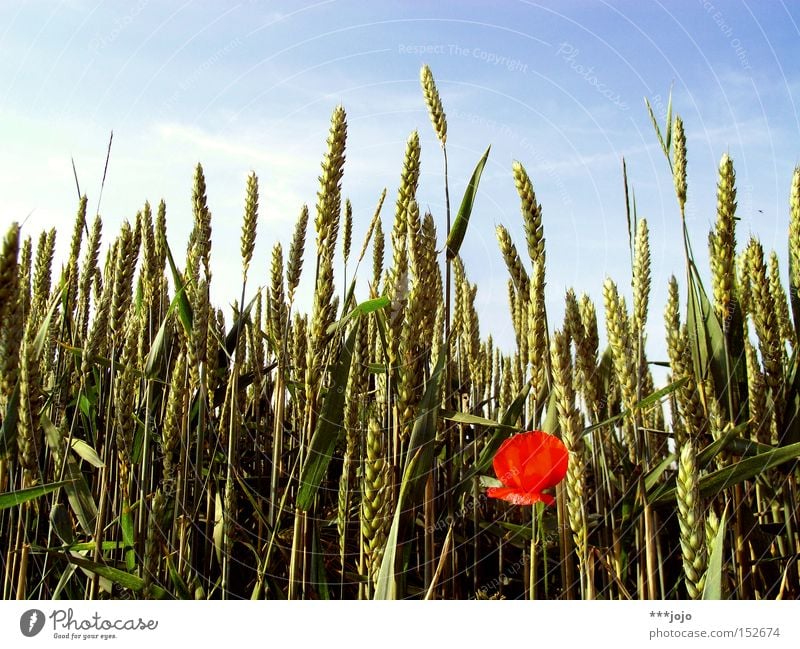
[154,446]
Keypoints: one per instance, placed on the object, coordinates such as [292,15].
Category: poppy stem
[534,542]
[539,508]
[537,511]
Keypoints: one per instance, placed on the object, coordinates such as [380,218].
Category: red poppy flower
[527,464]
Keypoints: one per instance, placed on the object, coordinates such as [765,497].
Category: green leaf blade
[456,235]
[120,577]
[713,588]
[20,496]
[328,429]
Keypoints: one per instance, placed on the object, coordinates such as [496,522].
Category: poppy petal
[519,497]
[545,460]
[506,463]
[531,461]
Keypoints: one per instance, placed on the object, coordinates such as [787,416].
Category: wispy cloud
[206,143]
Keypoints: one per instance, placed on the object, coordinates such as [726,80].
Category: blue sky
[557,85]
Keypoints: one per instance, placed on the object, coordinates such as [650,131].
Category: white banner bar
[141,624]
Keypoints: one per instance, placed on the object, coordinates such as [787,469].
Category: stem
[294,555]
[430,548]
[540,524]
[101,504]
[233,438]
[277,442]
[280,406]
[475,524]
[448,468]
[532,581]
[650,554]
[23,571]
[566,543]
[447,265]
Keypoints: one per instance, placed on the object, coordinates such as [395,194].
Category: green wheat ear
[294,267]
[794,230]
[434,103]
[9,271]
[250,221]
[679,162]
[722,242]
[570,423]
[690,519]
[641,279]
